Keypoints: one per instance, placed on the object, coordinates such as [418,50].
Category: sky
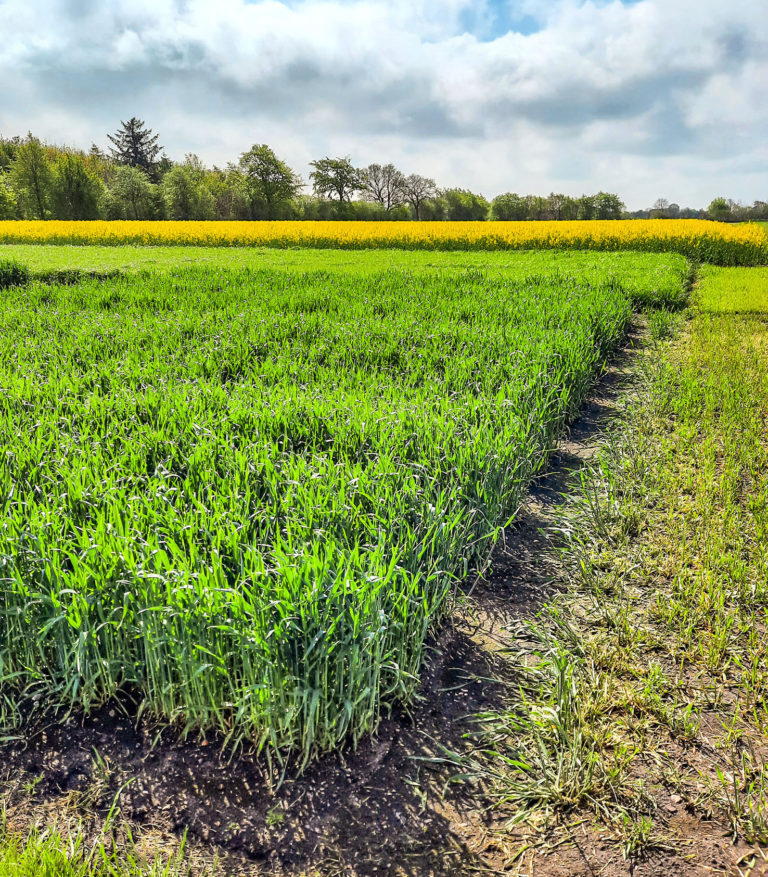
[649,99]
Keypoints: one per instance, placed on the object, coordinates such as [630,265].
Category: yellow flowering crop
[698,239]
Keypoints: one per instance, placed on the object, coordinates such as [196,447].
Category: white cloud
[633,97]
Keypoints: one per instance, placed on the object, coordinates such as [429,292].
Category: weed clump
[13,274]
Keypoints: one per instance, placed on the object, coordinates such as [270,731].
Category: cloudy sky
[651,98]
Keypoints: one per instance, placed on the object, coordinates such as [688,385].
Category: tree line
[720,209]
[135,179]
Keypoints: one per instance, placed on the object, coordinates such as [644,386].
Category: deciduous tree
[269,180]
[719,209]
[335,178]
[562,207]
[185,192]
[76,192]
[586,207]
[509,207]
[8,205]
[608,206]
[133,193]
[417,190]
[31,177]
[463,205]
[383,184]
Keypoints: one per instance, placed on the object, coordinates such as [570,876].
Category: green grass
[40,257]
[652,279]
[245,495]
[736,290]
[64,852]
[649,675]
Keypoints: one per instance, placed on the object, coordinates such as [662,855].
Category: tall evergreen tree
[135,145]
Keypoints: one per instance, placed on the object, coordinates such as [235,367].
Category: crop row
[698,240]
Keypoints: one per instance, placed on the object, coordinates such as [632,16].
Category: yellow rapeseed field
[698,239]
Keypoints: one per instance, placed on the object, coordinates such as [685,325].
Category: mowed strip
[244,496]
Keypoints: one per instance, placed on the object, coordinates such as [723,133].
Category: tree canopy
[31,177]
[269,181]
[335,178]
[76,191]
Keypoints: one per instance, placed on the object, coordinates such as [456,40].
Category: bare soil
[388,808]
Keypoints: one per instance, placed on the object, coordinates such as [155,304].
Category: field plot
[649,279]
[699,240]
[43,259]
[243,496]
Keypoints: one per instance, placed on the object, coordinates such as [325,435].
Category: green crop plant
[243,496]
[651,279]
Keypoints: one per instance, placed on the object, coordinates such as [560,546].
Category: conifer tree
[135,145]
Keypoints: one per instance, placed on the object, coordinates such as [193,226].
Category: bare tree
[417,189]
[383,185]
